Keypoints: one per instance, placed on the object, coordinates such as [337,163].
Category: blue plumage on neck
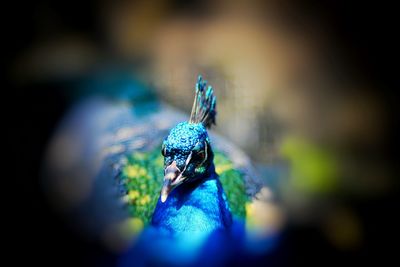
[195,207]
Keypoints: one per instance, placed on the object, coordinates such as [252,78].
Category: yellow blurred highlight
[131,226]
[144,200]
[119,236]
[313,169]
[133,195]
[135,171]
[223,168]
[262,216]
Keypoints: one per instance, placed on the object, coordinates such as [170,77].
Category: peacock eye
[201,155]
[163,150]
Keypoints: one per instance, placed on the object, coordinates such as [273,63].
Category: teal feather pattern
[204,105]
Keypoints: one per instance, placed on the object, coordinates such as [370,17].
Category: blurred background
[305,84]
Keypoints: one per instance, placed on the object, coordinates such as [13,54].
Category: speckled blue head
[187,155]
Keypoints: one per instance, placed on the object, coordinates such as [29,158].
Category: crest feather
[204,105]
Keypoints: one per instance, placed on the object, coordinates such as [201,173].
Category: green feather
[143,176]
[233,182]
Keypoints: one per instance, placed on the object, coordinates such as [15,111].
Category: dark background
[364,35]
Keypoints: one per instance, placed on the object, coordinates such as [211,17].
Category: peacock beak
[172,178]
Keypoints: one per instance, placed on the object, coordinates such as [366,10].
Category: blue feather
[197,207]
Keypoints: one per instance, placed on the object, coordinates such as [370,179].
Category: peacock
[198,193]
[192,198]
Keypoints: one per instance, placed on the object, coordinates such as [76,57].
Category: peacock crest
[204,104]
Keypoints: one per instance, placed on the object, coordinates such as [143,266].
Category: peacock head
[187,152]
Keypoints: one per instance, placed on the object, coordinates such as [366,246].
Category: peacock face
[187,155]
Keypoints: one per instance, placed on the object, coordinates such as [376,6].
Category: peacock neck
[198,206]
